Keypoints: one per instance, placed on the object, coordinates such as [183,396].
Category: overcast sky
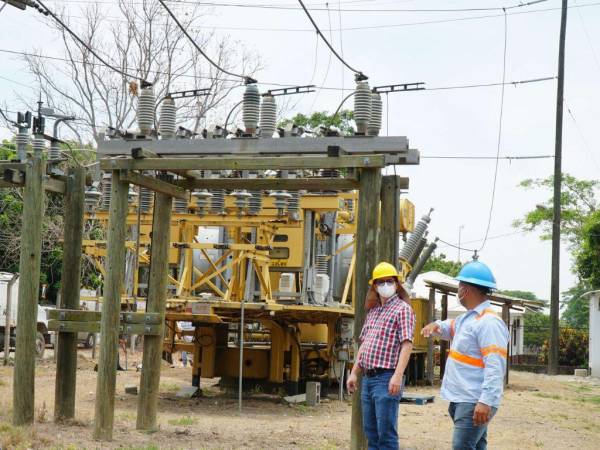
[402,48]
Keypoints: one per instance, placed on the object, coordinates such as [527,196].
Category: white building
[595,333]
[421,290]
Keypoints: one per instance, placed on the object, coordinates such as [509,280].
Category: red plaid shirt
[385,328]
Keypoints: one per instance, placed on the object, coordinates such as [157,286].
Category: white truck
[9,280]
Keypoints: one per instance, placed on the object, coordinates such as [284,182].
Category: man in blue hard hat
[474,377]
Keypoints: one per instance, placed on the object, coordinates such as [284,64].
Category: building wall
[595,334]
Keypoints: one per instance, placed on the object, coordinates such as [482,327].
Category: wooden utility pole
[157,297]
[29,268]
[109,328]
[390,219]
[555,284]
[366,259]
[66,358]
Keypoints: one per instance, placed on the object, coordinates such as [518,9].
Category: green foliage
[577,203]
[439,263]
[536,328]
[587,257]
[572,350]
[576,309]
[342,121]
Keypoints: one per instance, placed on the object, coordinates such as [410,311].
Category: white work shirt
[477,359]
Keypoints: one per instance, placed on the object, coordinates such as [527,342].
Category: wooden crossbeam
[72,326]
[155,184]
[241,163]
[290,184]
[74,315]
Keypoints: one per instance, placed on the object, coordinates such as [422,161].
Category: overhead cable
[245,78]
[489,223]
[47,11]
[359,75]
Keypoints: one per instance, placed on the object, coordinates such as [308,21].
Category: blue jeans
[380,412]
[467,436]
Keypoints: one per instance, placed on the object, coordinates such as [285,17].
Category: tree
[144,42]
[576,309]
[587,257]
[536,325]
[343,121]
[577,202]
[439,263]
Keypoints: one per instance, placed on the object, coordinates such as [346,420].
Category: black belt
[377,371]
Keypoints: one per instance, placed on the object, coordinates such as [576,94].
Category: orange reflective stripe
[485,312]
[494,349]
[477,362]
[452,328]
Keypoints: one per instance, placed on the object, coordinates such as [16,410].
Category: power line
[584,140]
[359,74]
[47,11]
[312,105]
[498,236]
[487,230]
[245,78]
[589,40]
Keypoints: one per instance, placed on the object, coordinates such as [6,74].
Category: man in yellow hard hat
[385,347]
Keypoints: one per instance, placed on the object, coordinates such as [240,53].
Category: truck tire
[40,345]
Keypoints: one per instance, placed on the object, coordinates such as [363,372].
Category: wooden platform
[417,399]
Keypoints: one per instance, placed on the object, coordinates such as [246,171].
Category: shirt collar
[390,300]
[481,307]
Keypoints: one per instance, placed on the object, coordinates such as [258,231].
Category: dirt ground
[537,412]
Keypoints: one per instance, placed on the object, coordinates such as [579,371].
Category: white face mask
[387,290]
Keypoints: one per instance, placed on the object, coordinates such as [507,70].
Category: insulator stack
[281,201]
[168,118]
[255,202]
[217,201]
[145,112]
[322,264]
[376,115]
[146,200]
[268,117]
[362,107]
[330,173]
[132,195]
[203,198]
[421,263]
[92,198]
[106,191]
[39,144]
[180,206]
[22,141]
[251,108]
[420,246]
[293,205]
[411,245]
[241,199]
[54,152]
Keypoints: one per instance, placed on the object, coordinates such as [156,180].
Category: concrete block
[581,372]
[313,393]
[293,399]
[131,389]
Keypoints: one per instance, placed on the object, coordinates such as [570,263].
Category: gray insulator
[281,201]
[217,201]
[145,112]
[92,198]
[39,145]
[322,264]
[420,246]
[146,200]
[268,117]
[293,205]
[241,199]
[362,107]
[410,246]
[180,206]
[414,273]
[54,152]
[168,118]
[22,141]
[251,108]
[106,191]
[330,173]
[132,195]
[255,203]
[376,115]
[202,201]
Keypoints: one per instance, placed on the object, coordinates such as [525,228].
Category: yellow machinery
[286,269]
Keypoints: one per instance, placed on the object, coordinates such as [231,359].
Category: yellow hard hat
[384,270]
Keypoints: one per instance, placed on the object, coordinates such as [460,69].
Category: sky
[405,46]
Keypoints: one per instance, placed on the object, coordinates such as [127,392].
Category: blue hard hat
[477,273]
